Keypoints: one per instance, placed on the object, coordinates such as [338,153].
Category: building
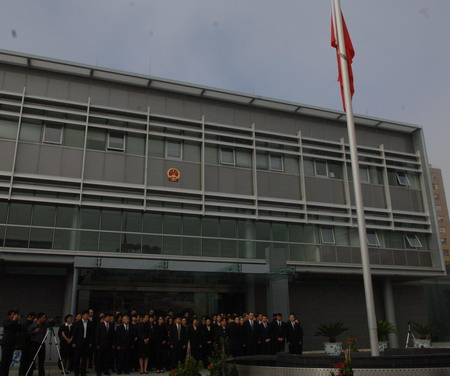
[120,190]
[440,204]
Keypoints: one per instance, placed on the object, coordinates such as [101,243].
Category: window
[402,178]
[435,186]
[276,162]
[116,141]
[444,240]
[413,241]
[320,168]
[364,175]
[173,149]
[53,133]
[372,238]
[442,230]
[227,156]
[433,176]
[327,235]
[438,207]
[436,197]
[440,219]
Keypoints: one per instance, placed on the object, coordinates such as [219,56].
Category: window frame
[402,175]
[411,241]
[322,240]
[315,168]
[222,162]
[45,141]
[166,147]
[371,244]
[108,141]
[365,168]
[271,168]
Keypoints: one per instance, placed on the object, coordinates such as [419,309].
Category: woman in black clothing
[195,339]
[207,340]
[65,334]
[160,338]
[144,344]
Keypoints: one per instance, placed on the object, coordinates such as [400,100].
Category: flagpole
[370,306]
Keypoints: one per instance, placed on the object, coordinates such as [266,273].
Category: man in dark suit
[124,345]
[178,340]
[11,326]
[236,337]
[25,359]
[278,334]
[294,335]
[103,345]
[266,336]
[83,338]
[251,333]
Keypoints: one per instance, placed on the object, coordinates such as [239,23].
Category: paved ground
[54,371]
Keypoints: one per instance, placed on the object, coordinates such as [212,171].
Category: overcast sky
[278,49]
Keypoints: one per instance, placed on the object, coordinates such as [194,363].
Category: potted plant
[331,331]
[424,333]
[384,328]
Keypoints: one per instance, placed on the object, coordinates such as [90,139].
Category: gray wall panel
[210,112]
[14,81]
[6,155]
[95,165]
[367,195]
[192,109]
[242,118]
[36,84]
[174,107]
[27,158]
[226,180]
[293,190]
[157,103]
[337,191]
[277,185]
[263,183]
[2,78]
[50,160]
[212,178]
[258,117]
[72,160]
[416,201]
[225,114]
[118,98]
[114,167]
[99,94]
[156,173]
[137,100]
[58,88]
[78,91]
[378,196]
[243,182]
[134,169]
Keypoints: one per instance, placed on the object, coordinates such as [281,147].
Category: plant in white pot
[424,333]
[331,331]
[384,328]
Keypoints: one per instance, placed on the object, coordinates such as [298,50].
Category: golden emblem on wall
[173,174]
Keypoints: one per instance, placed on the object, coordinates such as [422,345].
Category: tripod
[52,333]
[410,335]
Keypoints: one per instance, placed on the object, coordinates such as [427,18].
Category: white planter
[382,345]
[422,343]
[333,348]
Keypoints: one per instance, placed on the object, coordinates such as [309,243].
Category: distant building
[440,203]
[120,191]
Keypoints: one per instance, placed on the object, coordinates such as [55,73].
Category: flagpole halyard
[344,74]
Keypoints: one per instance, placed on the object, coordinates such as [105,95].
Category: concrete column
[73,306]
[390,310]
[278,282]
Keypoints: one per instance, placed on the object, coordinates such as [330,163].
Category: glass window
[19,214]
[227,156]
[262,162]
[30,130]
[111,220]
[89,218]
[246,229]
[413,241]
[109,242]
[43,215]
[246,249]
[320,168]
[192,225]
[191,246]
[173,149]
[210,226]
[296,252]
[312,253]
[261,249]
[291,165]
[276,162]
[263,230]
[132,221]
[17,237]
[116,140]
[3,211]
[440,219]
[442,230]
[172,245]
[65,240]
[228,248]
[96,139]
[394,240]
[156,147]
[296,233]
[308,167]
[372,238]
[152,223]
[66,216]
[41,238]
[151,244]
[334,170]
[53,133]
[436,197]
[402,178]
[172,224]
[341,235]
[192,151]
[8,128]
[135,144]
[244,158]
[438,207]
[227,228]
[131,243]
[327,235]
[88,240]
[74,136]
[364,174]
[211,155]
[279,231]
[210,247]
[311,234]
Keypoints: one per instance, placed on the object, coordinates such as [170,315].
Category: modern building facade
[119,190]
[440,203]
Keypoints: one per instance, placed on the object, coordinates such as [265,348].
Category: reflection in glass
[17,237]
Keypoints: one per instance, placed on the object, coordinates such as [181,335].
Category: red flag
[349,51]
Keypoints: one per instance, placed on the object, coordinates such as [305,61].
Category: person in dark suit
[104,336]
[207,340]
[194,338]
[221,336]
[266,336]
[278,334]
[178,340]
[11,326]
[124,345]
[37,332]
[65,334]
[144,333]
[25,359]
[251,330]
[82,343]
[160,344]
[294,335]
[236,337]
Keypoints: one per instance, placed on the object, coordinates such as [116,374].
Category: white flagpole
[370,306]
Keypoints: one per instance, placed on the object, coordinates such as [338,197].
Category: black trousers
[7,355]
[103,359]
[177,354]
[295,349]
[81,353]
[123,360]
[34,347]
[25,359]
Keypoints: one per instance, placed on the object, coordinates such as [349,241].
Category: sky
[278,49]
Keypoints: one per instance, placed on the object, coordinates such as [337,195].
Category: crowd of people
[125,342]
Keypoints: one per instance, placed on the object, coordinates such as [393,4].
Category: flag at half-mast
[349,52]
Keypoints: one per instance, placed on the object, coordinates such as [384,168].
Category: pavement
[53,370]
